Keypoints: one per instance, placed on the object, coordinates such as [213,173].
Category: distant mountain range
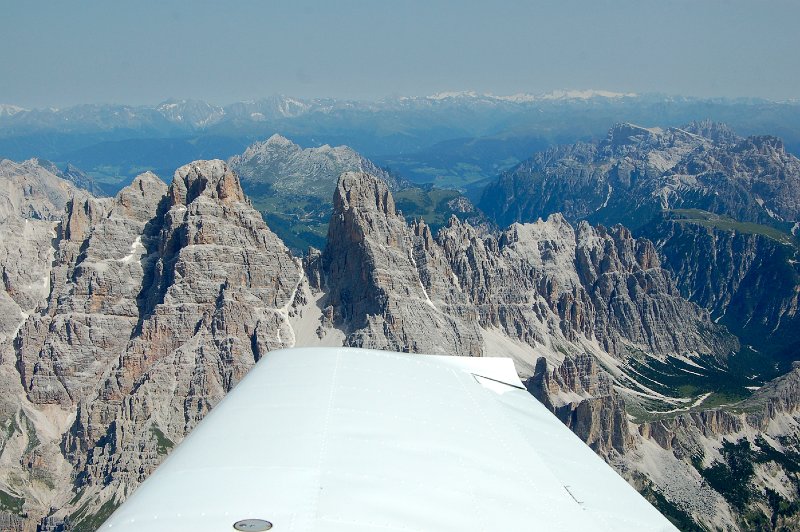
[199,114]
[189,115]
[455,140]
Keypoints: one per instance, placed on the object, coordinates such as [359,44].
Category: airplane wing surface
[341,439]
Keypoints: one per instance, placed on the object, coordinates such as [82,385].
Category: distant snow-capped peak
[585,95]
[195,112]
[523,97]
[10,110]
[454,94]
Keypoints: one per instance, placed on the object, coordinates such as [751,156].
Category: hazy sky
[67,52]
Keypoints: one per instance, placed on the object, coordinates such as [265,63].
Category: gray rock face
[581,395]
[162,299]
[219,269]
[748,281]
[546,280]
[722,213]
[287,168]
[33,472]
[92,306]
[637,172]
[698,193]
[559,290]
[32,199]
[387,283]
[26,255]
[213,302]
[30,190]
[74,175]
[588,180]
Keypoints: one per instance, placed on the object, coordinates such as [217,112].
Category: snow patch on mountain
[523,98]
[10,110]
[585,94]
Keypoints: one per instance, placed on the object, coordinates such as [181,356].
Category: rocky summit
[293,186]
[160,299]
[387,286]
[143,310]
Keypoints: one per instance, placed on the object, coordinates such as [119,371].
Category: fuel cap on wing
[252,525]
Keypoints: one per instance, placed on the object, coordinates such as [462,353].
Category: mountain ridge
[202,288]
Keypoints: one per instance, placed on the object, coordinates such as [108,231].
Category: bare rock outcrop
[749,281]
[32,200]
[384,285]
[636,172]
[92,306]
[550,285]
[581,395]
[31,190]
[160,300]
[33,473]
[215,299]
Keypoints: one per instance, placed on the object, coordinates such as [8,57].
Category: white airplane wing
[339,439]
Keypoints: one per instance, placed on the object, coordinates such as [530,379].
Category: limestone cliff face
[387,289]
[722,211]
[32,468]
[587,301]
[92,307]
[748,281]
[635,172]
[161,299]
[214,300]
[34,190]
[580,393]
[546,280]
[32,200]
[302,182]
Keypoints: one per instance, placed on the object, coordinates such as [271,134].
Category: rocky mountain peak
[31,189]
[159,300]
[279,140]
[302,181]
[363,192]
[580,393]
[389,283]
[715,131]
[265,150]
[763,145]
[637,173]
[137,199]
[627,133]
[205,178]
